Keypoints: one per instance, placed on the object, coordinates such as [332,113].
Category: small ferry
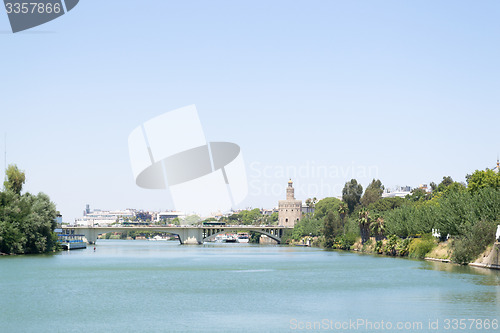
[71,242]
[243,238]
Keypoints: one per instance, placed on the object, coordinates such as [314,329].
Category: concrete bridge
[186,234]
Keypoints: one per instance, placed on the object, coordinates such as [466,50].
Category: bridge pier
[190,236]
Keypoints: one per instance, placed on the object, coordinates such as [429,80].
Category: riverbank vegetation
[27,221]
[463,217]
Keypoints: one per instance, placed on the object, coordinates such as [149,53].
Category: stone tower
[290,210]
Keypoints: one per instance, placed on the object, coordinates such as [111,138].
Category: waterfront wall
[491,259]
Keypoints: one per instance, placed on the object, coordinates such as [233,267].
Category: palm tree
[310,203]
[342,212]
[364,224]
[378,227]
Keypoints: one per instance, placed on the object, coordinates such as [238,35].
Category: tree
[442,187]
[484,178]
[342,213]
[15,179]
[310,203]
[326,205]
[373,193]
[191,219]
[418,194]
[27,221]
[377,226]
[329,230]
[274,218]
[351,194]
[364,220]
[386,204]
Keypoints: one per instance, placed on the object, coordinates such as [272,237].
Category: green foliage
[481,179]
[27,221]
[418,194]
[15,179]
[377,226]
[298,232]
[419,247]
[345,242]
[274,218]
[331,229]
[311,202]
[351,194]
[390,246]
[364,220]
[255,238]
[473,242]
[386,204]
[326,205]
[403,246]
[247,217]
[373,193]
[191,219]
[305,227]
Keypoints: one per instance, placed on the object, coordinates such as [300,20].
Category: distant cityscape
[290,211]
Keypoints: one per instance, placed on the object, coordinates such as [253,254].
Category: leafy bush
[402,246]
[347,241]
[419,247]
[468,247]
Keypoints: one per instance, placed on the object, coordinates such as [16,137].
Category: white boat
[220,238]
[158,238]
[243,238]
[71,242]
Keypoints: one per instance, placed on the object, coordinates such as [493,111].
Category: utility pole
[5,157]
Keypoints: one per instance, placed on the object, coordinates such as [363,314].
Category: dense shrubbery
[473,241]
[419,247]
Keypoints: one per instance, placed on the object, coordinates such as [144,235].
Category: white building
[105,217]
[400,191]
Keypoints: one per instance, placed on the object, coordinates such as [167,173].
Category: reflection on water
[485,276]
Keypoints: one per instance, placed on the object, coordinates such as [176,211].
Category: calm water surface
[129,286]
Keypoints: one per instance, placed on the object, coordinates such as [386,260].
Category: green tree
[15,179]
[329,230]
[27,221]
[326,205]
[386,204]
[418,194]
[342,213]
[377,227]
[364,221]
[274,218]
[351,194]
[191,219]
[373,193]
[485,178]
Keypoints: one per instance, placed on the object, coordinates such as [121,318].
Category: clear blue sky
[407,90]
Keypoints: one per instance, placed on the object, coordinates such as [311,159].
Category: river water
[130,286]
